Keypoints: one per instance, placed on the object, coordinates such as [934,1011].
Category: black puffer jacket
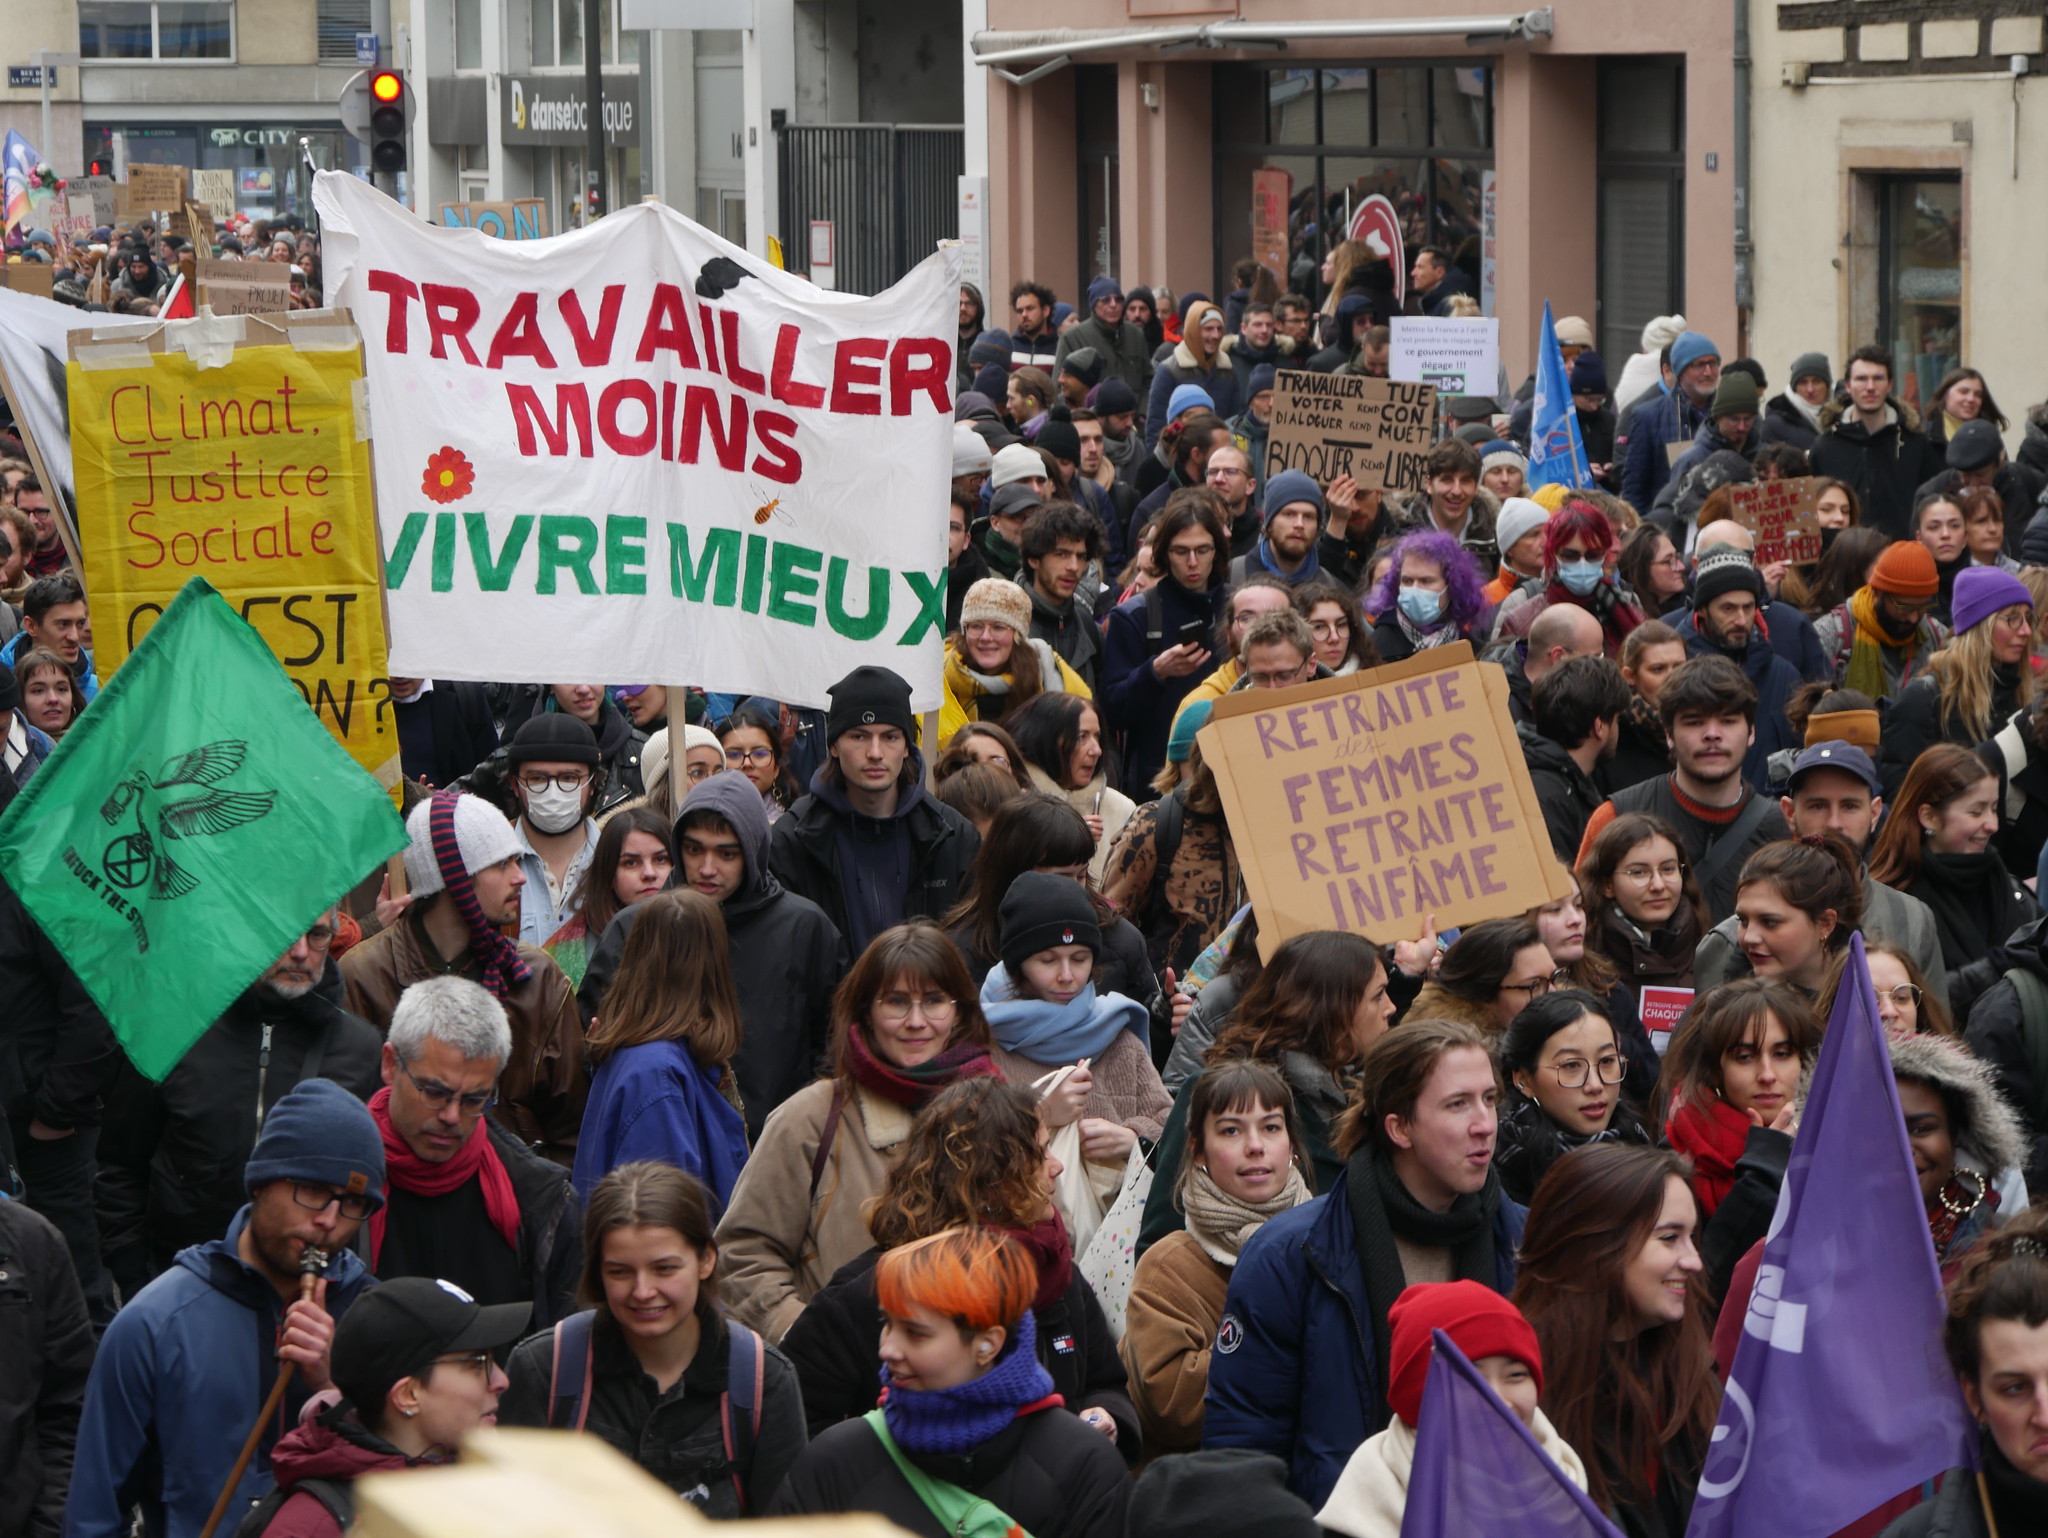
[833,1347]
[1051,1475]
[1997,1032]
[1884,468]
[47,1347]
[786,959]
[171,1156]
[1530,1142]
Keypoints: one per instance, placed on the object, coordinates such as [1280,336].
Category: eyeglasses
[1670,870]
[1573,1072]
[741,756]
[939,1008]
[438,1097]
[1672,562]
[1191,552]
[315,1197]
[1536,987]
[574,779]
[476,1361]
[1910,607]
[320,936]
[1226,473]
[1906,995]
[1329,629]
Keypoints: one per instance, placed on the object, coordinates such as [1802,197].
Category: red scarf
[913,1088]
[476,1159]
[1053,1251]
[1714,1137]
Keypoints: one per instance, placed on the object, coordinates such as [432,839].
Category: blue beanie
[1181,741]
[1101,289]
[1349,308]
[993,381]
[1589,374]
[990,347]
[1185,396]
[1689,349]
[1262,379]
[319,1131]
[1061,314]
[1293,486]
[1189,300]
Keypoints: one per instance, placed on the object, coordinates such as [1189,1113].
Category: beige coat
[1176,1303]
[779,1240]
[1127,1089]
[1372,1492]
[1114,809]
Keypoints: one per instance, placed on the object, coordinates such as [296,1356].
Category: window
[469,34]
[557,35]
[173,30]
[337,24]
[1640,175]
[1096,141]
[1920,280]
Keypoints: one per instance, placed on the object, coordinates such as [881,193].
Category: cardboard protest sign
[639,452]
[521,219]
[1330,425]
[1369,803]
[194,221]
[92,195]
[1459,355]
[214,188]
[28,278]
[1781,515]
[156,188]
[245,288]
[233,449]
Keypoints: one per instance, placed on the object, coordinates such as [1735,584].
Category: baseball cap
[398,1328]
[1845,756]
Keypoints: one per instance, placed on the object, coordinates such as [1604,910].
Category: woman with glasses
[656,1368]
[906,1023]
[1566,1071]
[413,1362]
[1644,909]
[1343,633]
[752,742]
[662,1049]
[1906,1005]
[1651,565]
[1580,551]
[1492,972]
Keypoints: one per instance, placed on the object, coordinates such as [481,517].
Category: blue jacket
[655,1101]
[180,1375]
[1136,702]
[1299,1281]
[39,748]
[1670,418]
[1775,680]
[87,683]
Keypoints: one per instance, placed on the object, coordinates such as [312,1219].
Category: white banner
[35,340]
[634,453]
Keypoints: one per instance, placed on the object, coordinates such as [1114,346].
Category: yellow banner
[251,475]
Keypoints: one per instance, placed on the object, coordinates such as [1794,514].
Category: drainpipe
[1745,249]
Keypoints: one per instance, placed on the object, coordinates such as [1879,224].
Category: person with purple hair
[1431,595]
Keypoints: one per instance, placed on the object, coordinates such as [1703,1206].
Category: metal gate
[891,192]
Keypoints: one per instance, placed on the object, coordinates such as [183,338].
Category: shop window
[171,31]
[1640,192]
[1920,279]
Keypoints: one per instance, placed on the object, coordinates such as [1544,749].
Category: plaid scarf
[503,970]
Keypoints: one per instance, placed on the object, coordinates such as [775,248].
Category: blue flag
[1822,1419]
[1557,454]
[1478,1469]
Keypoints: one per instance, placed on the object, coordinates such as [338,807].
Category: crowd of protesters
[768,1091]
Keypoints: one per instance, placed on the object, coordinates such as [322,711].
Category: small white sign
[1459,357]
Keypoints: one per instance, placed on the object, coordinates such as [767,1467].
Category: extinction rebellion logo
[149,820]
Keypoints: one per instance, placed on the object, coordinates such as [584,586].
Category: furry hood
[1990,1136]
[1837,407]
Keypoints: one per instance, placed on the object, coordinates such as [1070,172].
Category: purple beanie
[1981,591]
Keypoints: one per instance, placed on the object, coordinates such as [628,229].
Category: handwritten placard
[520,219]
[155,188]
[1369,803]
[1375,430]
[1272,197]
[1781,517]
[1460,355]
[245,288]
[214,188]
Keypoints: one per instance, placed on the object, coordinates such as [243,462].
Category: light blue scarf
[1057,1034]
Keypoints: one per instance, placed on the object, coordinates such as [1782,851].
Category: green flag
[191,825]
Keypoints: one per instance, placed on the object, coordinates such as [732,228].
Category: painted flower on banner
[450,476]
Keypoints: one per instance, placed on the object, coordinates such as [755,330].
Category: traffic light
[100,168]
[388,117]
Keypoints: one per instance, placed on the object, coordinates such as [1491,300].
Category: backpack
[338,1499]
[746,1366]
[2033,996]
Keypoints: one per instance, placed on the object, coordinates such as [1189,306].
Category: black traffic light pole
[593,87]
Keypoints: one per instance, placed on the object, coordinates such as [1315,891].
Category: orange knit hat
[1906,570]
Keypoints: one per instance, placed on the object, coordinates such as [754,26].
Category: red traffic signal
[387,120]
[387,85]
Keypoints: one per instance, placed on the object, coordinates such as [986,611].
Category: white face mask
[554,810]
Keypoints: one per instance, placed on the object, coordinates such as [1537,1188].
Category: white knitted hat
[481,833]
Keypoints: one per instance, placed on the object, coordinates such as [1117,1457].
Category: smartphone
[1193,632]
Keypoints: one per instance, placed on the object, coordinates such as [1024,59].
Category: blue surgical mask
[1580,577]
[1422,604]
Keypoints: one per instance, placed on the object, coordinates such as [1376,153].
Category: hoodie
[328,1444]
[181,1374]
[787,957]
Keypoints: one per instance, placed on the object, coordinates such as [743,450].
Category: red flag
[178,304]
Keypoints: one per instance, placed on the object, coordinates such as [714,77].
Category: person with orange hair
[962,1446]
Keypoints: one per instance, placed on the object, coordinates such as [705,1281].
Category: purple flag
[1478,1469]
[1840,1397]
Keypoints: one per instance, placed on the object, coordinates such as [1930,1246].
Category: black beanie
[1042,910]
[869,696]
[1062,440]
[1113,397]
[1227,1492]
[553,738]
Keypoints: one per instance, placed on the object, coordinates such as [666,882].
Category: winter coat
[181,1374]
[1180,368]
[58,1055]
[1121,349]
[1997,1032]
[1665,418]
[676,1435]
[1243,358]
[1127,1090]
[1836,631]
[1642,754]
[1137,704]
[1884,468]
[171,1154]
[444,732]
[550,1249]
[1990,1135]
[46,1343]
[1410,514]
[1069,630]
[1890,917]
[787,958]
[542,1087]
[2016,752]
[1175,1304]
[1776,682]
[832,1345]
[1101,799]
[1566,792]
[1783,422]
[804,850]
[966,698]
[1707,442]
[1051,1475]
[1916,723]
[335,1449]
[1530,1142]
[784,1235]
[656,1101]
[1293,1372]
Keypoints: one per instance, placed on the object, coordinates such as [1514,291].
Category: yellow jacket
[1212,688]
[966,690]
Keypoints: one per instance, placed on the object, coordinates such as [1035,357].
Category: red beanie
[1478,1320]
[1906,570]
